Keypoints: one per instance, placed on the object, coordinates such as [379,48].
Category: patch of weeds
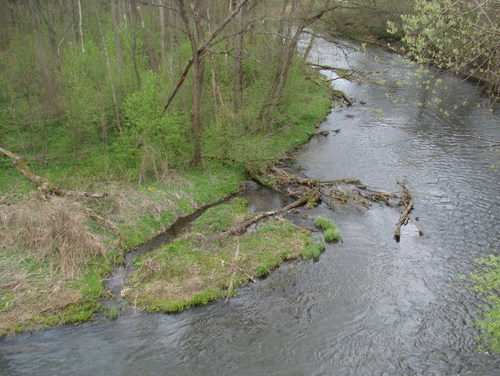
[312,250]
[221,217]
[486,280]
[6,302]
[332,235]
[331,231]
[261,271]
[111,312]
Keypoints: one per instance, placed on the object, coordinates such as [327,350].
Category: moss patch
[190,271]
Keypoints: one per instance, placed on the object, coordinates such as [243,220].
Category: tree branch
[208,43]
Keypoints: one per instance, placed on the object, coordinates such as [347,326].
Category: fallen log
[242,227]
[49,190]
[44,185]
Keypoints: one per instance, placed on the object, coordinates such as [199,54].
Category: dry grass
[55,232]
[44,247]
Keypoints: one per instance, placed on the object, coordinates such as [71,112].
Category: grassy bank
[195,270]
[54,258]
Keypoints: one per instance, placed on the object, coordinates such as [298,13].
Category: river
[370,305]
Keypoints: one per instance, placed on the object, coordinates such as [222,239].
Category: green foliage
[332,235]
[324,223]
[111,312]
[189,271]
[486,281]
[221,217]
[454,35]
[152,141]
[88,124]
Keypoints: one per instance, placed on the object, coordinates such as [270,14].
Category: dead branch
[342,73]
[96,217]
[48,189]
[210,42]
[407,201]
[233,265]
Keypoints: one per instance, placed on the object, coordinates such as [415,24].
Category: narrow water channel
[369,306]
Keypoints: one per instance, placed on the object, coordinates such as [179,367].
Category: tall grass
[54,232]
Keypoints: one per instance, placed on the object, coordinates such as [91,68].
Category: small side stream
[259,199]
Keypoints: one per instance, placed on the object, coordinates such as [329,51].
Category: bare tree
[80,21]
[116,29]
[238,63]
[294,19]
[199,45]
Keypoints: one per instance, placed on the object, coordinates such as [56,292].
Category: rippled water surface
[369,306]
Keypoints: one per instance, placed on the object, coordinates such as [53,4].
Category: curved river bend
[369,306]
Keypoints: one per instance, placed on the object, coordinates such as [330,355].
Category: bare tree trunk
[131,20]
[275,93]
[309,47]
[292,32]
[45,76]
[238,65]
[198,71]
[151,56]
[116,29]
[198,74]
[39,43]
[80,21]
[108,64]
[162,34]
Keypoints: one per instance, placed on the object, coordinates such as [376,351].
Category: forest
[118,117]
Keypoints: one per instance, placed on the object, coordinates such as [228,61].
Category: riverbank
[54,257]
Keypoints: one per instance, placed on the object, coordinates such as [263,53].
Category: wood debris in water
[339,192]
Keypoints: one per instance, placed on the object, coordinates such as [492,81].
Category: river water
[369,306]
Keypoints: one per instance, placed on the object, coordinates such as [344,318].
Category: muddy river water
[370,305]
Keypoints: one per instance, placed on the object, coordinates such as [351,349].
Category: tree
[295,17]
[199,46]
[457,35]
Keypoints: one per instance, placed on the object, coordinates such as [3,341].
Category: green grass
[331,231]
[190,271]
[312,250]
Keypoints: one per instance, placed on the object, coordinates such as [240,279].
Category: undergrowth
[54,258]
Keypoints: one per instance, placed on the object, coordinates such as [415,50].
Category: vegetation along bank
[117,124]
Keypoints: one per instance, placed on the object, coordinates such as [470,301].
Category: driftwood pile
[334,193]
